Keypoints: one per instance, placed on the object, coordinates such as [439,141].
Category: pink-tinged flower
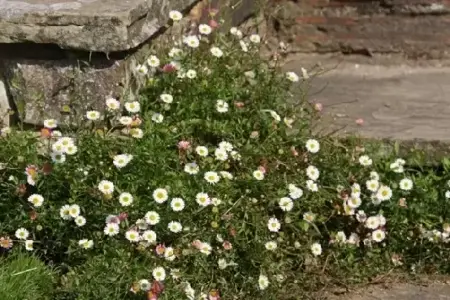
[262,169]
[31,170]
[239,104]
[123,216]
[160,249]
[227,245]
[213,24]
[214,295]
[359,121]
[184,145]
[318,106]
[294,151]
[197,244]
[169,68]
[112,219]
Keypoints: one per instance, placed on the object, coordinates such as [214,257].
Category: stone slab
[398,100]
[89,25]
[4,105]
[401,291]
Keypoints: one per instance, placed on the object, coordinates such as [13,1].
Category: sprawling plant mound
[203,182]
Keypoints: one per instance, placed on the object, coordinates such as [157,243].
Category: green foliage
[25,277]
[278,212]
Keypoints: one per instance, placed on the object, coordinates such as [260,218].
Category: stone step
[396,99]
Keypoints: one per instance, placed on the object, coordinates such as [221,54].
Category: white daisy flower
[36,200]
[215,51]
[191,74]
[22,234]
[57,157]
[313,173]
[316,249]
[122,160]
[258,174]
[226,175]
[152,218]
[221,154]
[50,123]
[159,273]
[206,248]
[235,155]
[175,53]
[66,142]
[160,195]
[74,210]
[203,199]
[227,146]
[112,104]
[361,216]
[133,107]
[244,46]
[255,38]
[204,29]
[312,146]
[64,212]
[286,204]
[378,235]
[365,160]
[191,168]
[216,201]
[153,61]
[309,217]
[382,220]
[177,204]
[125,120]
[373,185]
[141,69]
[236,32]
[312,186]
[175,226]
[169,254]
[406,184]
[80,221]
[71,150]
[341,237]
[157,118]
[263,282]
[354,202]
[149,236]
[212,177]
[291,76]
[132,236]
[144,285]
[271,245]
[29,245]
[125,199]
[295,192]
[374,175]
[86,244]
[106,187]
[166,98]
[274,225]
[192,41]
[221,106]
[202,151]
[373,222]
[175,15]
[136,133]
[93,115]
[384,193]
[111,229]
[447,194]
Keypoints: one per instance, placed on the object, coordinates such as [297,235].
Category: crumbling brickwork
[415,28]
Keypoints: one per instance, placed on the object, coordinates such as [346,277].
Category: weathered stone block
[60,54]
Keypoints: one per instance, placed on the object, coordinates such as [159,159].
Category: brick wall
[416,28]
